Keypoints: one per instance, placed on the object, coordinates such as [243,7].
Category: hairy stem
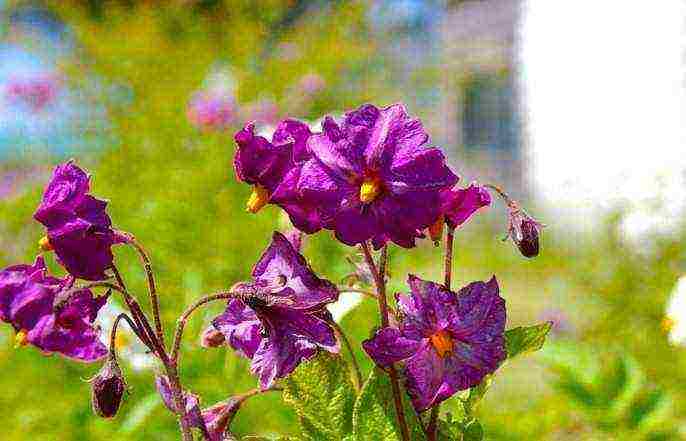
[147,335]
[357,377]
[431,430]
[113,333]
[181,323]
[380,282]
[152,289]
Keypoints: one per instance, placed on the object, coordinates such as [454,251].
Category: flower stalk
[380,282]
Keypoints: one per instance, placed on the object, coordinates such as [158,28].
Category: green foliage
[323,396]
[616,395]
[375,419]
[526,339]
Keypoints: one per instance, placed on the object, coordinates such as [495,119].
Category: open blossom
[374,177]
[448,341]
[273,169]
[45,313]
[79,229]
[280,319]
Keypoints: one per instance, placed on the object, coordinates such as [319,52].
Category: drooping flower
[374,176]
[457,206]
[273,168]
[79,229]
[448,341]
[48,314]
[280,319]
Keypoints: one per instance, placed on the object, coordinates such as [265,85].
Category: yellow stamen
[436,230]
[667,324]
[369,190]
[258,199]
[44,244]
[442,342]
[21,339]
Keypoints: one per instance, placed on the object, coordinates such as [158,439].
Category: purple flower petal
[240,327]
[459,205]
[389,346]
[287,272]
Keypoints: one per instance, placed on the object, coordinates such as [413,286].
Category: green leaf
[374,418]
[473,431]
[526,339]
[476,393]
[321,393]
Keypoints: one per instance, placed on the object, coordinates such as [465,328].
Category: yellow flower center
[442,342]
[369,190]
[21,339]
[44,244]
[667,324]
[258,199]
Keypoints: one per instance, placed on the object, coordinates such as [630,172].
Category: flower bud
[212,338]
[524,230]
[107,389]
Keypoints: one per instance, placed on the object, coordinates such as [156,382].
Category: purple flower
[374,177]
[191,412]
[280,319]
[447,341]
[523,229]
[79,229]
[212,110]
[273,168]
[47,314]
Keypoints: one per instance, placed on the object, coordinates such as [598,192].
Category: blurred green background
[608,372]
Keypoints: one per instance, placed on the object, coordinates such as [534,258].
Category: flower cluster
[373,180]
[49,312]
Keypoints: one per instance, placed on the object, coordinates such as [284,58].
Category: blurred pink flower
[263,111]
[35,91]
[212,110]
[311,84]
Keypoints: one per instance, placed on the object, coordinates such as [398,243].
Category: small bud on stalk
[107,389]
[522,228]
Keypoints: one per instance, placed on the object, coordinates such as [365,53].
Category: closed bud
[212,338]
[524,230]
[107,389]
